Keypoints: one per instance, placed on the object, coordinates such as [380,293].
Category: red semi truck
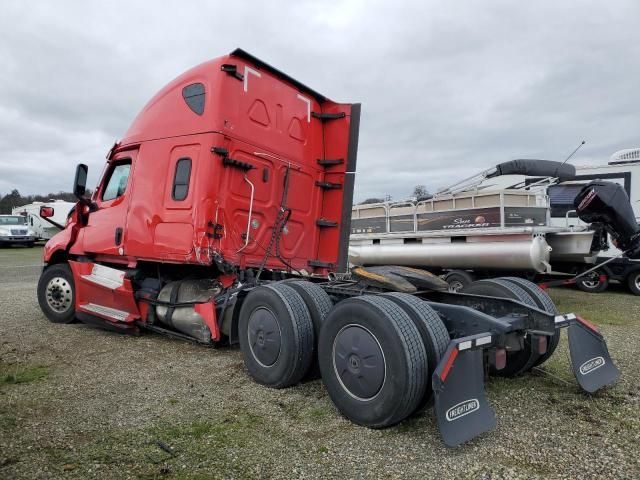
[223,216]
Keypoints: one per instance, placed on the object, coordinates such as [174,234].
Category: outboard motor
[607,203]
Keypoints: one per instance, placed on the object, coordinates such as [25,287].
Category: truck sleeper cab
[223,216]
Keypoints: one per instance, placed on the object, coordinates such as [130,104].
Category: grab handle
[253,189]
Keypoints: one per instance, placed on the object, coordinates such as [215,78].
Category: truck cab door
[105,230]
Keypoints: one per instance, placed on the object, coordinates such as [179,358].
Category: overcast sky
[447,88]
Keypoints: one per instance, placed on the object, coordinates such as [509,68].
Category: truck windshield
[13,220]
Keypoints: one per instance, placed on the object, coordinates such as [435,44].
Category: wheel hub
[359,362]
[59,294]
[354,363]
[265,338]
[592,280]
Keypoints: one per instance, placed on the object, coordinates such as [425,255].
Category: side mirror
[46,212]
[80,182]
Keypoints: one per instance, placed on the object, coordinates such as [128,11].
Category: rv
[45,228]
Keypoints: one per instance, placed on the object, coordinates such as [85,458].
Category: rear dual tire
[276,335]
[373,361]
[544,302]
[319,305]
[433,333]
[521,361]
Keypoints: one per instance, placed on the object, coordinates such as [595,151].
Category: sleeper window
[194,97]
[181,180]
[117,183]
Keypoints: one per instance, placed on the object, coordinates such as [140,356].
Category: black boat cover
[536,168]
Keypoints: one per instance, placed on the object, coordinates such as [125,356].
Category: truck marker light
[542,344]
[449,364]
[501,358]
[483,340]
[587,324]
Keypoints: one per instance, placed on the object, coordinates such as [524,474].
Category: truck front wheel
[56,293]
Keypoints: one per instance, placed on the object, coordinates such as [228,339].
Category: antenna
[573,153]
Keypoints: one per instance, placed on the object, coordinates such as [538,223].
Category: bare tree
[371,200]
[420,192]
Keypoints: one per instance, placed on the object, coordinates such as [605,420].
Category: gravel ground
[76,402]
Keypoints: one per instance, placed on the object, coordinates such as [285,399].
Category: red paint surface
[262,119]
[267,126]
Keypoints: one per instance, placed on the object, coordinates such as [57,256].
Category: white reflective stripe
[464,345]
[483,341]
[105,276]
[308,102]
[570,316]
[118,315]
[560,319]
[247,71]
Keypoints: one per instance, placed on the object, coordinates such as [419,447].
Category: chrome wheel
[592,280]
[59,295]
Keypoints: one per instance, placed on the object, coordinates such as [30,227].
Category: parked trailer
[47,227]
[223,216]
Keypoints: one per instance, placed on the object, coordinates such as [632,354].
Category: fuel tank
[184,318]
[532,254]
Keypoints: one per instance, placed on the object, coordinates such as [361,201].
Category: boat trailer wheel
[358,362]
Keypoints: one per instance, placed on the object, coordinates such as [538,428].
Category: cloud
[448,88]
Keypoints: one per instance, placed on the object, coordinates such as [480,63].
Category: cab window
[116,183]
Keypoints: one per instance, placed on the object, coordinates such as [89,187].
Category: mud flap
[590,359]
[461,405]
